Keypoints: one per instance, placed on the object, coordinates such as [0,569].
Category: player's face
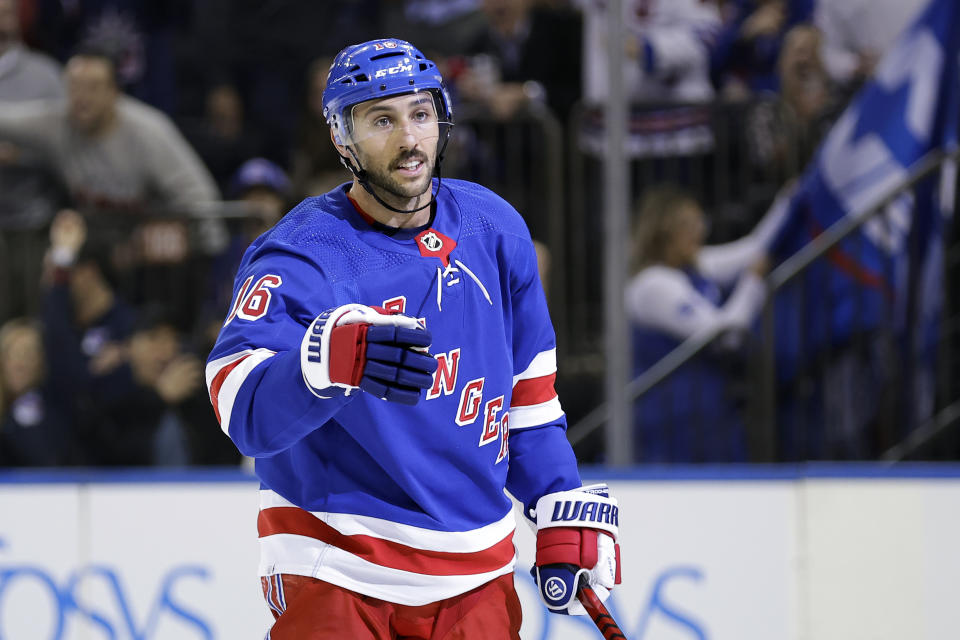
[396,140]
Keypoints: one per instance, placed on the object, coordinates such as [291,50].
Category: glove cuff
[315,350]
[579,508]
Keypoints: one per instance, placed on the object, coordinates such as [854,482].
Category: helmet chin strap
[362,177]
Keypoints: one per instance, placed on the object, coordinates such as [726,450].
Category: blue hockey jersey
[402,503]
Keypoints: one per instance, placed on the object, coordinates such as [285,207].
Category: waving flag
[909,108]
[886,275]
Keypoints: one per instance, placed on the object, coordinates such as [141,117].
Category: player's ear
[342,150]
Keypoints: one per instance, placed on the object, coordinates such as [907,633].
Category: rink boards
[747,553]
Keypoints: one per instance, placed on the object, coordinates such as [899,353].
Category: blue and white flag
[873,279]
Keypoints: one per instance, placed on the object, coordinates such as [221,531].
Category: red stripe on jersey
[533,391]
[369,219]
[386,553]
[217,382]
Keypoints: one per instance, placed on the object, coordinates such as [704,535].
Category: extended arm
[724,263]
[840,60]
[280,370]
[177,172]
[33,124]
[663,299]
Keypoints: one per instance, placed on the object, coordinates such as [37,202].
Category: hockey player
[384,340]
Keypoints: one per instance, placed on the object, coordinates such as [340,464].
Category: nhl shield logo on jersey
[432,241]
[433,244]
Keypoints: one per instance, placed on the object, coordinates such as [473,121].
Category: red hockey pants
[310,609]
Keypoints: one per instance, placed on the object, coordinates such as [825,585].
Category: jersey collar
[394,232]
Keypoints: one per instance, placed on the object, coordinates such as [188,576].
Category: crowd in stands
[144,144]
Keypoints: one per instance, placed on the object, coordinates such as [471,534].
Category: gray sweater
[26,75]
[143,160]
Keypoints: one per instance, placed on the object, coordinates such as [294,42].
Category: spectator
[137,397]
[35,427]
[744,57]
[265,191]
[784,130]
[668,50]
[85,322]
[112,150]
[24,74]
[678,291]
[155,412]
[28,192]
[666,76]
[512,62]
[81,284]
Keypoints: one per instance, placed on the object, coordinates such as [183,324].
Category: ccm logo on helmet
[400,68]
[569,510]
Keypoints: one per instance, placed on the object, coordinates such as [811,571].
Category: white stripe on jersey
[280,554]
[405,534]
[227,392]
[535,415]
[543,364]
[214,366]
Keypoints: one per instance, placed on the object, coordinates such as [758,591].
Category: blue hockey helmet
[379,69]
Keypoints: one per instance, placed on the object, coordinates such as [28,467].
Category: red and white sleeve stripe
[534,401]
[225,376]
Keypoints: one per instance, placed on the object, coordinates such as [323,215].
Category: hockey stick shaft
[599,614]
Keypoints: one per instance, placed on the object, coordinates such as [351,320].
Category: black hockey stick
[599,614]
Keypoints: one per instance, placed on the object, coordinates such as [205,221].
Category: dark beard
[384,181]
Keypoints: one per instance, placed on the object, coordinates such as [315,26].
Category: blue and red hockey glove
[359,347]
[576,540]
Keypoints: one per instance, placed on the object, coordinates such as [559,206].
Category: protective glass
[420,114]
